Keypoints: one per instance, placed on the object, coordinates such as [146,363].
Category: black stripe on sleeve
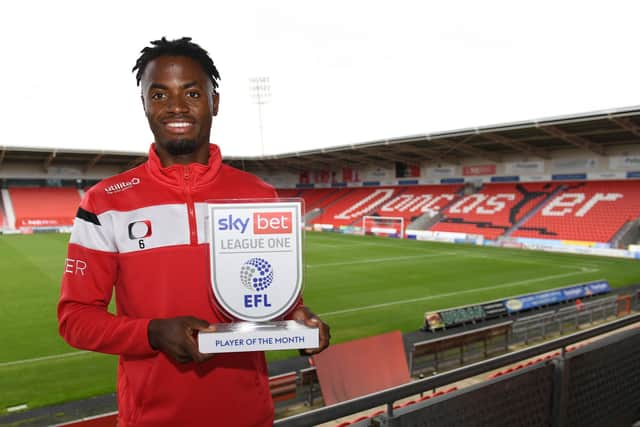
[88,216]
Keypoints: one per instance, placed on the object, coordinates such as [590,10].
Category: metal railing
[570,318]
[435,355]
[389,396]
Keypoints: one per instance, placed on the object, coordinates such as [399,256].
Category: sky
[340,72]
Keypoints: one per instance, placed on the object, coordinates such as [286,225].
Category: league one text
[256,276]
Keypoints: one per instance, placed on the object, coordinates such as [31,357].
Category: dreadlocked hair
[179,47]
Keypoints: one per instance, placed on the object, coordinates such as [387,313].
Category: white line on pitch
[372,260]
[469,291]
[517,260]
[40,359]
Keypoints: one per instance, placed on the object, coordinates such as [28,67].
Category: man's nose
[177,105]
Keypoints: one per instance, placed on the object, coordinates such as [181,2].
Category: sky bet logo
[263,223]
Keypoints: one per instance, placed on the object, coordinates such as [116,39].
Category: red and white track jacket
[142,232]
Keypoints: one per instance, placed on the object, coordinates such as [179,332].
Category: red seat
[44,207]
[585,211]
[493,210]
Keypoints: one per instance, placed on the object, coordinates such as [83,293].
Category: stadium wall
[30,171]
[573,165]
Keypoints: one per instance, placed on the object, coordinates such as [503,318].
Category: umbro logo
[121,186]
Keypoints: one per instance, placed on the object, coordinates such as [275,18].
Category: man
[142,233]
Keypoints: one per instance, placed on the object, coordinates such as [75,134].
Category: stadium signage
[517,168]
[256,275]
[541,299]
[478,170]
[491,310]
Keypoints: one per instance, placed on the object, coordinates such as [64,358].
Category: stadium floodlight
[390,226]
[261,94]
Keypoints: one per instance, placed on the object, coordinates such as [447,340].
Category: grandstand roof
[595,132]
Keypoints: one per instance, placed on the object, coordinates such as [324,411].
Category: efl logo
[256,274]
[272,223]
[140,229]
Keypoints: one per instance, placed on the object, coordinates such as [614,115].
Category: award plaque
[256,276]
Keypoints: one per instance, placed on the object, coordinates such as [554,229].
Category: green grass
[361,286]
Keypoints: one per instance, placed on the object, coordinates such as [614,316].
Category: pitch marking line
[469,291]
[40,359]
[373,260]
[518,260]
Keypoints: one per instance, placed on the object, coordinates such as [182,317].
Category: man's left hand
[306,316]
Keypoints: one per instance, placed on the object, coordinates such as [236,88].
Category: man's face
[179,103]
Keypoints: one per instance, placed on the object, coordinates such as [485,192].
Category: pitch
[361,286]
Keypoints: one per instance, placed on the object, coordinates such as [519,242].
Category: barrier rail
[389,396]
[544,325]
[432,355]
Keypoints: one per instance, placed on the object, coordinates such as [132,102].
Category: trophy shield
[256,249]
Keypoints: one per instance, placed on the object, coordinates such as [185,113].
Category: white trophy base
[248,336]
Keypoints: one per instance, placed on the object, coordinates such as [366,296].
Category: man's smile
[178,126]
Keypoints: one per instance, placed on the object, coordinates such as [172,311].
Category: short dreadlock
[178,47]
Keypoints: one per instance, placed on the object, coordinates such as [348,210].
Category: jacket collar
[173,175]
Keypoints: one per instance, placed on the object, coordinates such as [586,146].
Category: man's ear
[216,102]
[144,107]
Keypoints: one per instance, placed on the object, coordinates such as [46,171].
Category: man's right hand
[175,338]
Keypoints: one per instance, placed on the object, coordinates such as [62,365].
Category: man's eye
[158,96]
[193,94]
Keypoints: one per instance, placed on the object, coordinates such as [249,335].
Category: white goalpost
[389,226]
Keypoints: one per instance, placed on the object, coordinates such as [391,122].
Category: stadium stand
[412,202]
[44,206]
[585,211]
[288,192]
[495,209]
[356,202]
[348,206]
[322,197]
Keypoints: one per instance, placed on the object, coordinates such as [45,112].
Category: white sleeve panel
[92,236]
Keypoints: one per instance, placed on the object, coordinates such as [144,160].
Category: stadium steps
[8,206]
[629,234]
[471,214]
[311,215]
[534,210]
[2,214]
[425,222]
[464,191]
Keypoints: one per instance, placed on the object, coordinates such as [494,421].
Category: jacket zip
[193,227]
